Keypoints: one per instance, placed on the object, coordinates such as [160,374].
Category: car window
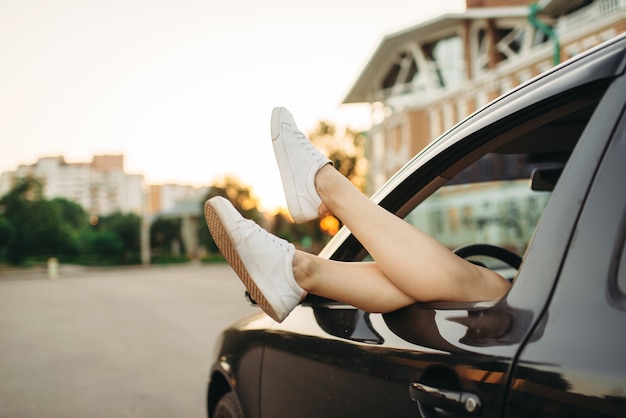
[490,202]
[497,191]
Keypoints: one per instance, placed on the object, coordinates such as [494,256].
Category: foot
[298,163]
[263,262]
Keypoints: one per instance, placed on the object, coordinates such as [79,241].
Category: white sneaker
[263,262]
[298,162]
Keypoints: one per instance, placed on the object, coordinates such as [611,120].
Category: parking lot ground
[116,342]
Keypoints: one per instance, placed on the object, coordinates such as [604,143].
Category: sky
[184,89]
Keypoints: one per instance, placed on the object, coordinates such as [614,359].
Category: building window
[402,71]
[450,64]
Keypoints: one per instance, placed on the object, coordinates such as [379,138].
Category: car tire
[228,407]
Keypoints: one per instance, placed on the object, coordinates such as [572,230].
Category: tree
[37,224]
[345,149]
[72,213]
[127,227]
[26,189]
[240,196]
[105,245]
[163,233]
[307,236]
[6,234]
[49,234]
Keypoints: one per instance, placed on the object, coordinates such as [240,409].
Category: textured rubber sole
[226,247]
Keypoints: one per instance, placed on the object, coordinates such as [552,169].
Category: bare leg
[410,265]
[363,285]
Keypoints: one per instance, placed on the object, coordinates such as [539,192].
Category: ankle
[323,186]
[304,270]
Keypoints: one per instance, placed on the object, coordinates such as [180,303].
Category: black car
[532,185]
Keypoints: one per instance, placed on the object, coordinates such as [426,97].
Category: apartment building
[101,187]
[423,80]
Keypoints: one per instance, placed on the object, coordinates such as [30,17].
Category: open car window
[498,197]
[491,202]
[496,191]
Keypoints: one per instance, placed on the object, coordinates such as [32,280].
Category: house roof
[436,28]
[556,8]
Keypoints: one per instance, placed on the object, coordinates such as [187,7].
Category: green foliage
[126,227]
[242,199]
[7,234]
[307,236]
[38,226]
[164,232]
[71,213]
[169,259]
[212,258]
[33,228]
[106,244]
[346,150]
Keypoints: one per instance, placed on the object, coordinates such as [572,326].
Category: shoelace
[281,243]
[304,141]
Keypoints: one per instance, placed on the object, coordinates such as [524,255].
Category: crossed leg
[409,265]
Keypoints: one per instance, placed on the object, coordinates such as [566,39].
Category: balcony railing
[597,11]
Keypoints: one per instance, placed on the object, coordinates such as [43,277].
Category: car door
[577,368]
[444,359]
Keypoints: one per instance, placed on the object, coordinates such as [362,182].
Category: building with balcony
[423,80]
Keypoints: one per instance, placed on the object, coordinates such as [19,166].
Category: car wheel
[228,407]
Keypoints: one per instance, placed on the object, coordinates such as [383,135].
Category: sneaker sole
[228,250]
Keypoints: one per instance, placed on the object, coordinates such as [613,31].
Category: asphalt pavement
[118,342]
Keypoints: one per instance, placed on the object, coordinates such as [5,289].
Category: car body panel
[538,351]
[238,360]
[576,369]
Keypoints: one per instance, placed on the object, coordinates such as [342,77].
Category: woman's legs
[363,285]
[410,265]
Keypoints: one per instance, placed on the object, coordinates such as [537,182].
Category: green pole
[533,10]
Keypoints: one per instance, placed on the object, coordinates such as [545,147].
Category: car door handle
[449,400]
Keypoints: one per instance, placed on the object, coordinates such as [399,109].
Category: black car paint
[577,367]
[553,347]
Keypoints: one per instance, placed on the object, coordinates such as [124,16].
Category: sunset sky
[184,88]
